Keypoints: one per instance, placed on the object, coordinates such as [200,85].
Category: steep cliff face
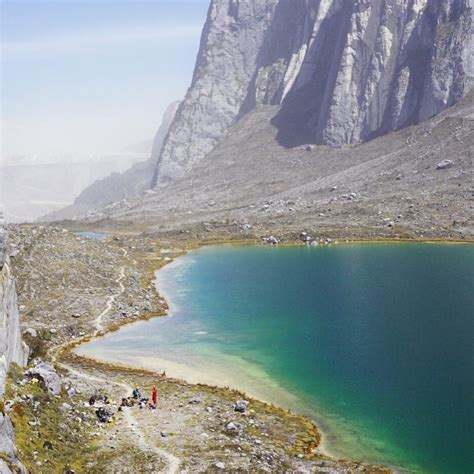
[12,349]
[227,61]
[375,67]
[341,71]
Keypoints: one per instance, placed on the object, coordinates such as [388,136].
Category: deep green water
[374,341]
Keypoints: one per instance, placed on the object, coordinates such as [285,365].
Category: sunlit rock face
[341,71]
[12,349]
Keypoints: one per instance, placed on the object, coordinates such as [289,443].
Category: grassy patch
[38,345]
[127,459]
[50,437]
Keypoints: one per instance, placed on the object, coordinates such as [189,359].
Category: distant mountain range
[117,186]
[32,187]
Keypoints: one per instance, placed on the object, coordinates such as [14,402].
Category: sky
[90,77]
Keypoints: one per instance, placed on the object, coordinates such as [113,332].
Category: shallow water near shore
[374,341]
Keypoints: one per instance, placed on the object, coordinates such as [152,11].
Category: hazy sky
[92,76]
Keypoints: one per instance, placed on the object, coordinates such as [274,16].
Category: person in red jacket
[154,396]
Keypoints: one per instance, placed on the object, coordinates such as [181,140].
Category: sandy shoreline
[214,375]
[186,373]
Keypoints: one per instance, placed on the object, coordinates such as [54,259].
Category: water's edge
[188,374]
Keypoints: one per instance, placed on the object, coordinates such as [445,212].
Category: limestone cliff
[12,349]
[341,71]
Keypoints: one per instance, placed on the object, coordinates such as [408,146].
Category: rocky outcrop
[341,72]
[9,462]
[12,349]
[46,373]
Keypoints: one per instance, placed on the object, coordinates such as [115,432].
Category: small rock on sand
[231,427]
[445,164]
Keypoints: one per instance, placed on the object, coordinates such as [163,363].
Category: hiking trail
[172,462]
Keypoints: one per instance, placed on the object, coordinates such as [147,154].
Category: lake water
[93,235]
[374,341]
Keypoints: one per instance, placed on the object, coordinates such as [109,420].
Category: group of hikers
[105,414]
[138,399]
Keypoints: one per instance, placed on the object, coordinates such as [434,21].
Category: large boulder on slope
[47,374]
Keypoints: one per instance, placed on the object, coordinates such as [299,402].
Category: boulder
[31,332]
[272,240]
[47,374]
[231,427]
[445,164]
[72,392]
[241,406]
[7,437]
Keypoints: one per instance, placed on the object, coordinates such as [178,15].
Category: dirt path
[172,462]
[110,299]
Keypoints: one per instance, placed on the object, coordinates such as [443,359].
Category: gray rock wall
[342,71]
[227,61]
[12,348]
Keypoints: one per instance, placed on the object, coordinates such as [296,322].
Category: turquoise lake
[374,341]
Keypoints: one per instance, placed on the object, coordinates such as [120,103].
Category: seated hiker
[103,415]
[136,393]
